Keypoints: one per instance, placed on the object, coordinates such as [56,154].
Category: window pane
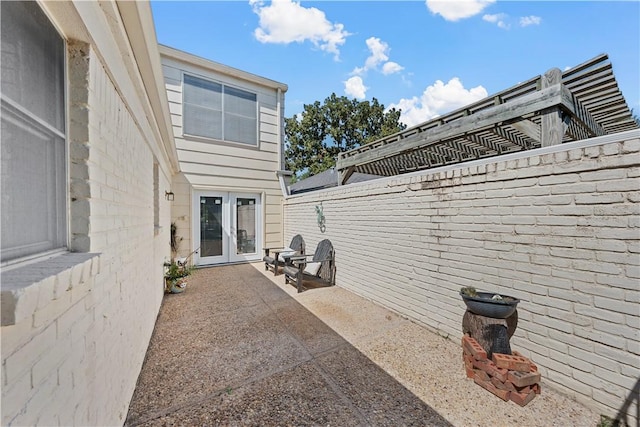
[32,158]
[202,92]
[33,149]
[201,121]
[239,102]
[32,62]
[203,109]
[240,123]
[240,129]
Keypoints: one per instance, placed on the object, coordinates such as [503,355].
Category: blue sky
[426,57]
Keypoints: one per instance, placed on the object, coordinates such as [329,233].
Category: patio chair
[275,257]
[319,271]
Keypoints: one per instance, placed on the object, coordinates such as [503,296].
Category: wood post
[492,334]
[552,122]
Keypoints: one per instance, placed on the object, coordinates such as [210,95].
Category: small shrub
[469,291]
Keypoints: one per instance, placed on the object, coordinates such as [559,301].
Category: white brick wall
[74,346]
[554,227]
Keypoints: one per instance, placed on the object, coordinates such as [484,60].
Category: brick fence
[557,227]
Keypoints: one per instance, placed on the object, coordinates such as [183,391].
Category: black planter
[483,305]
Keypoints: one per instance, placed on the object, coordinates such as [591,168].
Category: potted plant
[488,304]
[175,276]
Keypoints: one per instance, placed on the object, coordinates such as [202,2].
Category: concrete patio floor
[240,347]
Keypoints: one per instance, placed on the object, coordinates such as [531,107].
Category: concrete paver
[240,347]
[237,349]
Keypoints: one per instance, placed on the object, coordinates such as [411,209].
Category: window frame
[40,124]
[223,111]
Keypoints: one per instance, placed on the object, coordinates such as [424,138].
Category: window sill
[28,288]
[226,142]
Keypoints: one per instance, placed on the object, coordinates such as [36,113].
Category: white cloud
[355,87]
[285,21]
[379,55]
[454,10]
[525,21]
[391,68]
[498,19]
[437,99]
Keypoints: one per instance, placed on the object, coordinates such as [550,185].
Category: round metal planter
[483,305]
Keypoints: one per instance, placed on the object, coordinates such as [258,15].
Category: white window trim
[18,109]
[223,140]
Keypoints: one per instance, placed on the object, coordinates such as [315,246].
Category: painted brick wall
[557,228]
[74,353]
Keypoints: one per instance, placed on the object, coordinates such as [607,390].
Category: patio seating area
[240,347]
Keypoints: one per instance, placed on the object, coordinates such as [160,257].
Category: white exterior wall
[75,328]
[214,165]
[555,227]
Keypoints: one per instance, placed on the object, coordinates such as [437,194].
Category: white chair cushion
[312,268]
[285,252]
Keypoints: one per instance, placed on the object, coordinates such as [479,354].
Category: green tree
[314,139]
[636,117]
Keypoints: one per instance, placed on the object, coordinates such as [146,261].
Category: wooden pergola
[557,107]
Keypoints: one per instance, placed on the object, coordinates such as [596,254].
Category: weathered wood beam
[485,142]
[579,112]
[577,131]
[552,129]
[512,138]
[528,128]
[345,174]
[537,101]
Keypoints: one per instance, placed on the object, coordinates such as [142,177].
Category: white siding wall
[557,228]
[225,166]
[73,349]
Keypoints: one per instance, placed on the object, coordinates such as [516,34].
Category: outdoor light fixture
[168,195]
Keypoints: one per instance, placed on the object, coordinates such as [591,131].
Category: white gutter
[137,19]
[279,131]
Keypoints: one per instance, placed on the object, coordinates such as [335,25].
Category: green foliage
[469,291]
[636,118]
[177,271]
[315,138]
[606,421]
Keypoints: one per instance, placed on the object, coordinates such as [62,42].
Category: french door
[227,227]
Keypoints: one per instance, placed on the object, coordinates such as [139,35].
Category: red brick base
[510,377]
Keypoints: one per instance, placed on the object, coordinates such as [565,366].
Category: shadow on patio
[236,349]
[240,347]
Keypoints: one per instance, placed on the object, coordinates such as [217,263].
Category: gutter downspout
[281,173]
[280,124]
[280,158]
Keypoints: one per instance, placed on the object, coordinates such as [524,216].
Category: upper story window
[33,153]
[217,111]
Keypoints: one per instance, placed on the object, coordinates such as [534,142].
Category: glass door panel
[246,226]
[211,230]
[246,223]
[211,227]
[227,227]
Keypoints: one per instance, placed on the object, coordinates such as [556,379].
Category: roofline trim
[182,56]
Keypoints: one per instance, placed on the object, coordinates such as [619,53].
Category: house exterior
[108,139]
[92,183]
[87,156]
[227,125]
